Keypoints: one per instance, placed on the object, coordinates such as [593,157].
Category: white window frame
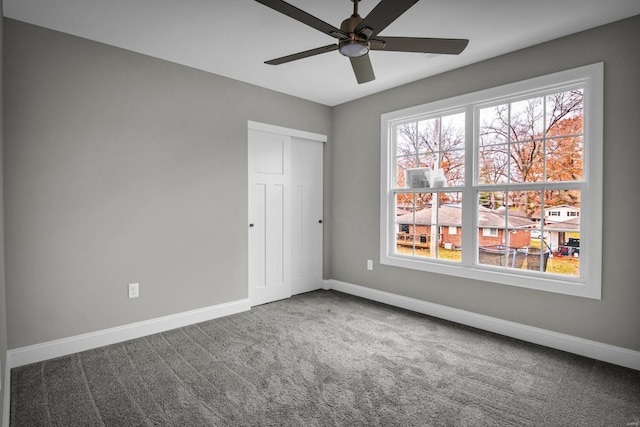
[589,283]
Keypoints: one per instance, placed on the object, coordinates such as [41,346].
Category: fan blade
[384,14]
[305,54]
[417,44]
[302,16]
[362,68]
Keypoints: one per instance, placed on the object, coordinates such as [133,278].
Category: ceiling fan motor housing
[357,44]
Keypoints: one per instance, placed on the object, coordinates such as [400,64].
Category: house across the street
[492,226]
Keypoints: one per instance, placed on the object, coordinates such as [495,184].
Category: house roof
[452,215]
[565,206]
[572,224]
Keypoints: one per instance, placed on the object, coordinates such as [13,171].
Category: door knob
[320,221]
[251,225]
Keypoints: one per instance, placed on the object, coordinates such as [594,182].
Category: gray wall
[3,305]
[616,318]
[122,168]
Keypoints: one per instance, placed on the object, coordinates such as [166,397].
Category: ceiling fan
[357,36]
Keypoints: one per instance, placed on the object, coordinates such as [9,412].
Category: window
[491,232]
[477,186]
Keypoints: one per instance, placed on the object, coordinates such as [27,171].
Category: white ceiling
[233,38]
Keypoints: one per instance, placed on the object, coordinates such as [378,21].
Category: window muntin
[527,150]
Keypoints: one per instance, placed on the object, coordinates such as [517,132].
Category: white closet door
[269,214]
[285,216]
[307,220]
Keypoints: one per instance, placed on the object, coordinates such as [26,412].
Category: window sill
[530,280]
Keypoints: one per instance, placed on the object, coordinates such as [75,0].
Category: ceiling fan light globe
[353,48]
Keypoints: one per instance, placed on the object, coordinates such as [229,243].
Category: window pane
[527,119]
[562,231]
[565,158]
[524,209]
[564,203]
[491,227]
[404,163]
[565,113]
[405,208]
[428,226]
[425,228]
[494,125]
[453,167]
[429,135]
[452,146]
[491,200]
[412,223]
[406,139]
[450,224]
[493,163]
[523,218]
[404,205]
[453,132]
[539,248]
[526,162]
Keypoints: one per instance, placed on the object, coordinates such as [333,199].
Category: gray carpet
[323,359]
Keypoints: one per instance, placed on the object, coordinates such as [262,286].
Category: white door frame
[286,131]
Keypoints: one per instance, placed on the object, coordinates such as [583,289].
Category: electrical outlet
[370,264]
[134,290]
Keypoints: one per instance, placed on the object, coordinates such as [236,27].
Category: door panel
[275,236]
[269,155]
[258,248]
[297,233]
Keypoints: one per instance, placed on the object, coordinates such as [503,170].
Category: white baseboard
[593,349]
[48,350]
